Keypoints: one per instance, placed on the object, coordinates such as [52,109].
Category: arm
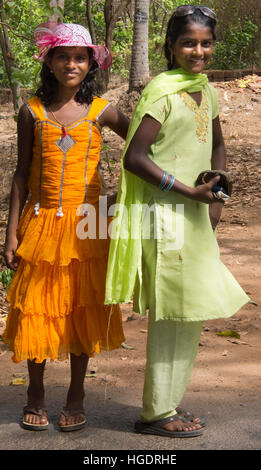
[137,161]
[19,191]
[119,123]
[115,120]
[218,162]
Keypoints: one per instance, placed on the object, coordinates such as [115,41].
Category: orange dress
[57,295]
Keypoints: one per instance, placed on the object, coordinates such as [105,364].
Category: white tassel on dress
[37,208]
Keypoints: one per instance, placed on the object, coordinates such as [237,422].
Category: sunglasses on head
[185,10]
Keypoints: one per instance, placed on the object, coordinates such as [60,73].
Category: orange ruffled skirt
[57,295]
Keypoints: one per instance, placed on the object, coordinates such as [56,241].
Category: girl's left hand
[203,192]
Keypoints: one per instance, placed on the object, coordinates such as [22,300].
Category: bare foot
[35,416]
[189,416]
[180,425]
[34,413]
[71,419]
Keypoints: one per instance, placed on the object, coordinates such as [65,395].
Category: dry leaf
[125,346]
[18,381]
[229,333]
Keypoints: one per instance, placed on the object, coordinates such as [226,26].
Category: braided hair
[177,26]
[48,89]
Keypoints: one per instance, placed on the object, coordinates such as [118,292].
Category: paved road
[231,424]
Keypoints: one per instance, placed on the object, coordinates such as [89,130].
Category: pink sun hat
[52,34]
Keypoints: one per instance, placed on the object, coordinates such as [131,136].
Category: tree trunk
[8,57]
[113,10]
[89,21]
[139,73]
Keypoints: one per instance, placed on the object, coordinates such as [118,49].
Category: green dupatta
[124,263]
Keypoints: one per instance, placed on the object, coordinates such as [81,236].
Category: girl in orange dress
[57,294]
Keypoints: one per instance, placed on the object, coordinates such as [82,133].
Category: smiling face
[193,48]
[70,65]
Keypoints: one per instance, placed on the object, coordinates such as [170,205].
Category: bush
[236,50]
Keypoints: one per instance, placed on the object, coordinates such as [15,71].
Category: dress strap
[36,108]
[97,108]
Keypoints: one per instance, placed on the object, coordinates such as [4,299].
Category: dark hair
[48,89]
[178,24]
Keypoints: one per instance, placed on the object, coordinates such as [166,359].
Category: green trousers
[171,351]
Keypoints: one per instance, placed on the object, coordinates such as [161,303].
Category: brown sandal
[190,416]
[72,427]
[156,427]
[34,411]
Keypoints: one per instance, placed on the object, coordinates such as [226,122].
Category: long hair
[48,89]
[177,26]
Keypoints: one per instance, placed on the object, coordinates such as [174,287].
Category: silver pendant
[65,143]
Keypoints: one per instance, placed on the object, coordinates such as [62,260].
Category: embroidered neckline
[200,112]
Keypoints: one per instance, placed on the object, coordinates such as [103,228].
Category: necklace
[69,124]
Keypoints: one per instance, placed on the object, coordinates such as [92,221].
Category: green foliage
[6,278]
[23,17]
[235,51]
[237,45]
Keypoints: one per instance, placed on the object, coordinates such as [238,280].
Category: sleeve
[159,110]
[214,101]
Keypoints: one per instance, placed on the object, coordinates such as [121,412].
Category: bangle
[170,184]
[164,180]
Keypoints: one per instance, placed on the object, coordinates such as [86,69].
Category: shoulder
[100,103]
[35,107]
[25,115]
[211,91]
[212,94]
[97,108]
[161,108]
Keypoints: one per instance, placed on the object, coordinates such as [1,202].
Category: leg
[74,409]
[171,351]
[35,395]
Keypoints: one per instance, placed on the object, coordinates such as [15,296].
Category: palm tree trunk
[139,73]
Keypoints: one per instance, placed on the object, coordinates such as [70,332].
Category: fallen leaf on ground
[125,346]
[229,333]
[18,381]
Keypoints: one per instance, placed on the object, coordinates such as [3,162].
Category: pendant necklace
[68,125]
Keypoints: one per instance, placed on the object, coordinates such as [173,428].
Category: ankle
[35,395]
[75,399]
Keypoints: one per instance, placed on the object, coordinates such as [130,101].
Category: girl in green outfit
[171,261]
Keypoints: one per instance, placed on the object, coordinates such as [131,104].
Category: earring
[172,58]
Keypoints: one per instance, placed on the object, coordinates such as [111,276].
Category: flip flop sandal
[156,428]
[72,427]
[190,416]
[34,411]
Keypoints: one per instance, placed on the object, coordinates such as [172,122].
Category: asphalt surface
[233,423]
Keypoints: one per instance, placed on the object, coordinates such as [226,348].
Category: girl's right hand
[9,253]
[203,192]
